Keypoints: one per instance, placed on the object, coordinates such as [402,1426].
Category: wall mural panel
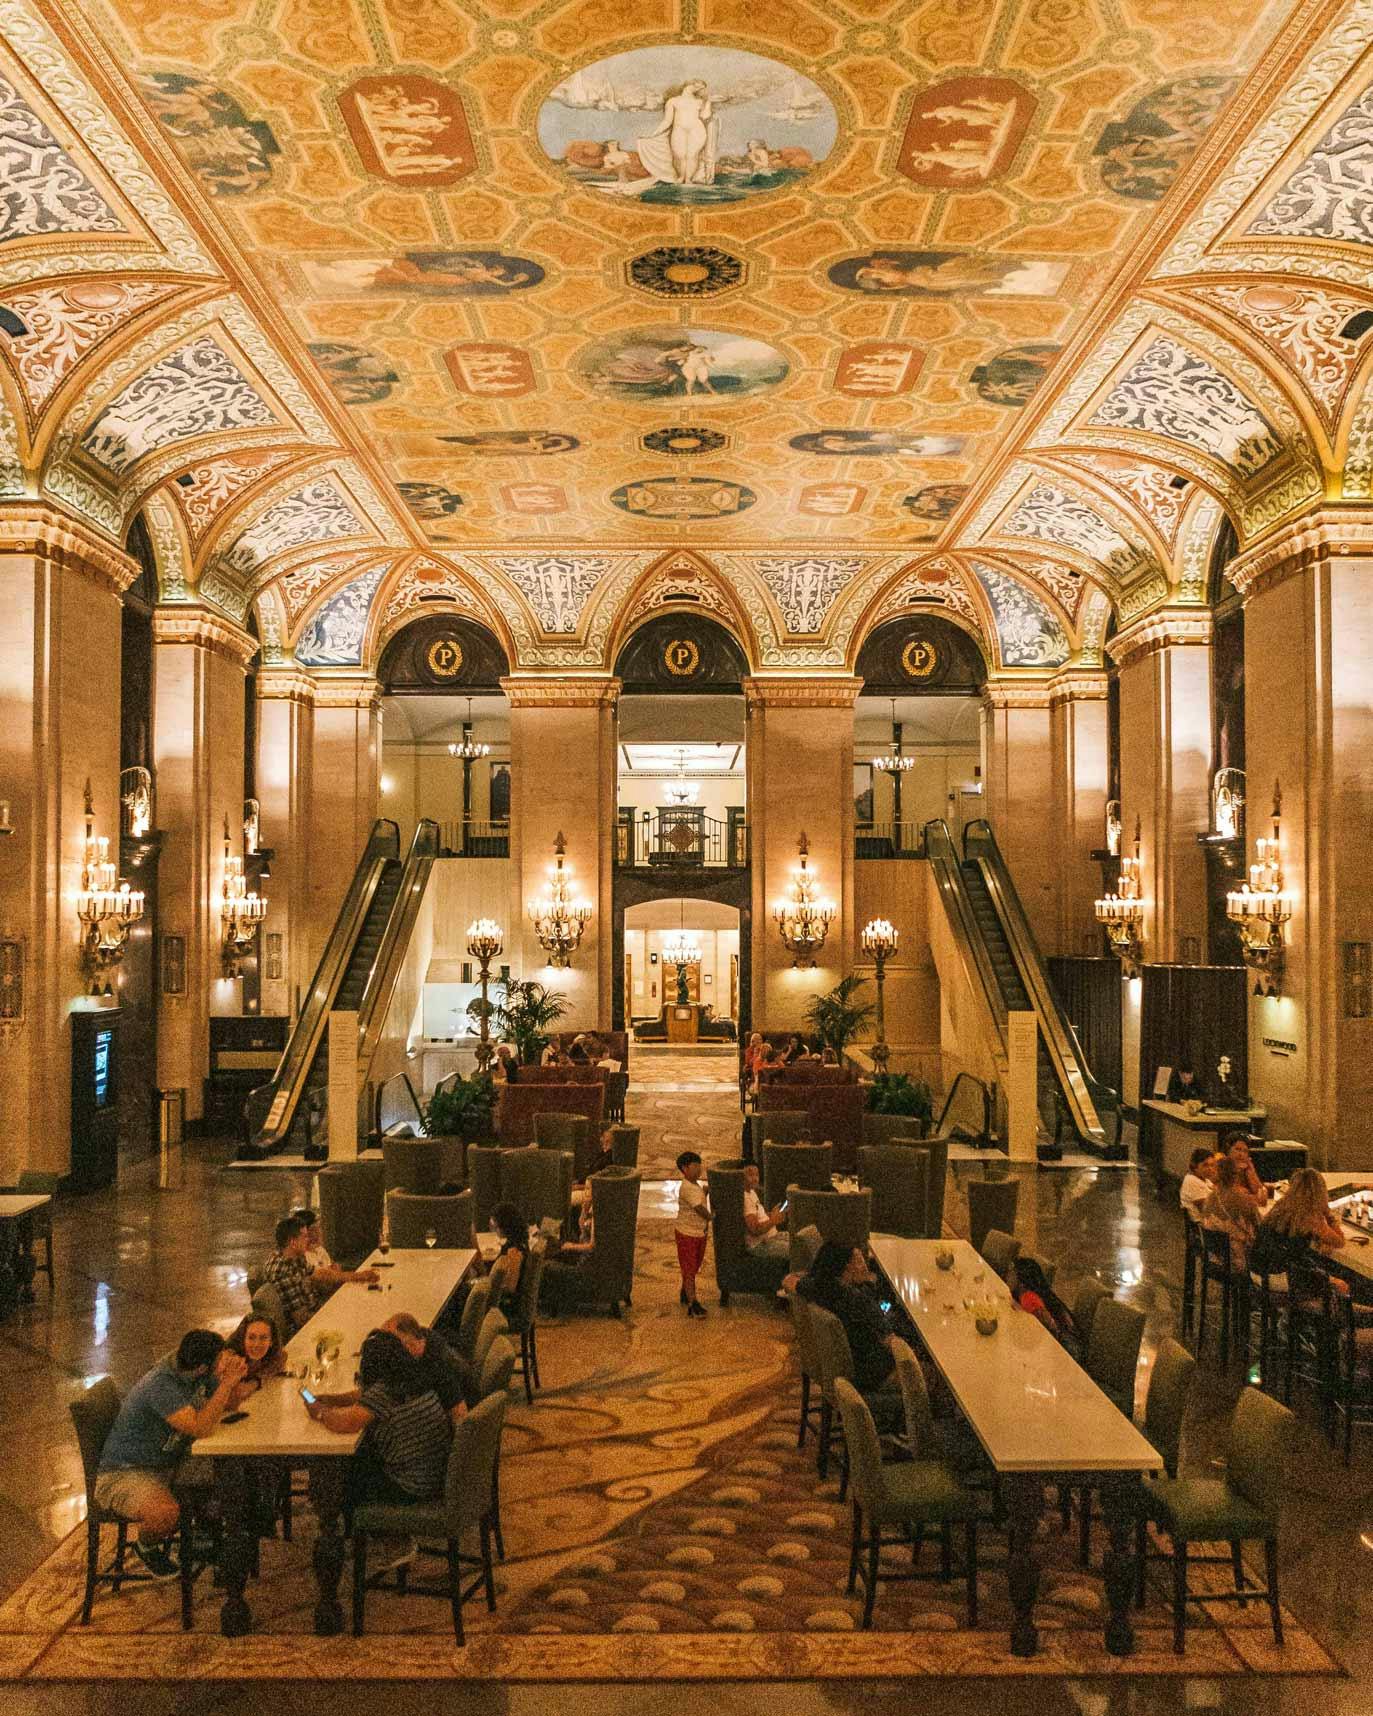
[1330,195]
[683,498]
[556,586]
[230,153]
[42,190]
[1049,513]
[203,492]
[805,588]
[60,325]
[702,364]
[333,638]
[1028,633]
[315,512]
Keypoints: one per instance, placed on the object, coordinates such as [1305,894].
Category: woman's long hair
[384,1362]
[511,1226]
[1304,1209]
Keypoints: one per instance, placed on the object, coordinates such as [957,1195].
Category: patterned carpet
[684,1099]
[661,1525]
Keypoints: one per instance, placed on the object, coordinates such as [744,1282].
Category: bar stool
[1191,1266]
[1217,1268]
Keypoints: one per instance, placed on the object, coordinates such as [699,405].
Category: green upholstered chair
[484,1181]
[1111,1356]
[554,1130]
[937,1146]
[805,1242]
[809,1361]
[465,1506]
[493,1326]
[624,1146]
[522,1315]
[351,1204]
[1241,1507]
[845,1216]
[410,1215]
[737,1269]
[413,1164]
[896,1177]
[1090,1293]
[833,1362]
[605,1274]
[537,1182]
[991,1203]
[780,1126]
[474,1311]
[893,1500]
[999,1250]
[915,1400]
[794,1165]
[498,1367]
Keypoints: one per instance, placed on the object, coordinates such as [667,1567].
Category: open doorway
[681,971]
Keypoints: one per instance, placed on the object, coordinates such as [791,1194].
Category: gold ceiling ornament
[106,907]
[802,917]
[559,918]
[1259,908]
[1121,914]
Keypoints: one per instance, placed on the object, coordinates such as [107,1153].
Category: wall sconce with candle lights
[240,912]
[1259,908]
[106,907]
[803,919]
[1121,914]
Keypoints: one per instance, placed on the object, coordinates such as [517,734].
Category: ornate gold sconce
[1121,914]
[240,912]
[559,920]
[1260,908]
[107,908]
[803,919]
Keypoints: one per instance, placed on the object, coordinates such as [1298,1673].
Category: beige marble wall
[285,752]
[59,726]
[1021,792]
[800,780]
[896,889]
[345,768]
[1077,727]
[199,660]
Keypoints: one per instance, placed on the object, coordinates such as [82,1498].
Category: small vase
[986,1325]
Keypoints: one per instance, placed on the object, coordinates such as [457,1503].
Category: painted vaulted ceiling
[558,312]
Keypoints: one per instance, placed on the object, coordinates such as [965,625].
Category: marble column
[199,662]
[285,747]
[799,761]
[1164,663]
[1308,645]
[60,588]
[1077,732]
[345,784]
[562,781]
[1021,796]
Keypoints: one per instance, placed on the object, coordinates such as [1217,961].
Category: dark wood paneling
[681,653]
[1088,990]
[1191,1015]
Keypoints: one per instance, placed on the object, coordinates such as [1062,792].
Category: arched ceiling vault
[961,309]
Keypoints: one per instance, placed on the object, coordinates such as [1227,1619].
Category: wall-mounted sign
[681,657]
[1278,1046]
[443,658]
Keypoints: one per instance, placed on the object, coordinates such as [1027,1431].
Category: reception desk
[1179,1133]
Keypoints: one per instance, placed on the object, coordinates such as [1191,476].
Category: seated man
[441,1369]
[178,1400]
[762,1228]
[288,1270]
[325,1273]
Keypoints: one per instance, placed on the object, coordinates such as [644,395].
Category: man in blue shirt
[180,1399]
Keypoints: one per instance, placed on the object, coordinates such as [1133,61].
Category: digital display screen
[103,1041]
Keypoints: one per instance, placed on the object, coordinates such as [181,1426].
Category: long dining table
[275,1432]
[1037,1414]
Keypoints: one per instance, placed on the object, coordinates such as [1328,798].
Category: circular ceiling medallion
[685,271]
[684,440]
[919,659]
[443,658]
[681,657]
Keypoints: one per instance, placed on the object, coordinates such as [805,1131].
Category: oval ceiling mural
[683,124]
[671,362]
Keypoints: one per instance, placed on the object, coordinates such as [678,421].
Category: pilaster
[1078,746]
[345,784]
[285,750]
[1018,770]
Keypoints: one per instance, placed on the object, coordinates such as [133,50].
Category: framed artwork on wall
[862,793]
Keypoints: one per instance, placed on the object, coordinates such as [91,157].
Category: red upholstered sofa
[517,1104]
[834,1113]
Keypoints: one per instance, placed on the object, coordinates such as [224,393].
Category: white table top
[420,1282]
[1030,1404]
[1356,1255]
[16,1204]
[1206,1117]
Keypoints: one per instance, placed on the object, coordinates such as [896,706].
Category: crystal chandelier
[1260,908]
[679,790]
[240,912]
[894,762]
[1122,914]
[682,950]
[468,750]
[803,920]
[558,919]
[106,907]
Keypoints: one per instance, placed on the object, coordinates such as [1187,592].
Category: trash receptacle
[171,1134]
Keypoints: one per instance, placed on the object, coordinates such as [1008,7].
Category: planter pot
[882,1128]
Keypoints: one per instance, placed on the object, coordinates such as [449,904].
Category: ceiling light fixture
[679,790]
[468,750]
[893,762]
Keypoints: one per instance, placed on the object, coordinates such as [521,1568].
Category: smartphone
[233,1417]
[307,1397]
[782,1207]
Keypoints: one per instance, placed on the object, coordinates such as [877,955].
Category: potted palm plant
[898,1106]
[836,1017]
[523,1011]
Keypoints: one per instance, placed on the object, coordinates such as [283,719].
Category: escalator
[994,935]
[357,973]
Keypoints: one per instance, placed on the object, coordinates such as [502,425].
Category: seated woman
[1299,1224]
[1233,1209]
[570,1256]
[258,1344]
[1031,1291]
[839,1281]
[403,1456]
[505,1069]
[1199,1181]
[579,1055]
[507,1267]
[793,1052]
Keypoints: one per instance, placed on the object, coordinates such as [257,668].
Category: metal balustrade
[888,840]
[474,839]
[680,839]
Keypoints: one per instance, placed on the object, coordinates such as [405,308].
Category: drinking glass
[384,1246]
[431,1239]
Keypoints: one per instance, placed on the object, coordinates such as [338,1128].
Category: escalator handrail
[953,1093]
[942,855]
[386,968]
[1065,1052]
[383,845]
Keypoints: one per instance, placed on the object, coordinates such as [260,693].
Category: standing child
[693,1223]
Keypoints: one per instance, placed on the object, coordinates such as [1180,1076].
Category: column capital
[346,691]
[286,683]
[205,629]
[836,691]
[1163,629]
[1329,533]
[560,691]
[35,528]
[1079,685]
[1017,694]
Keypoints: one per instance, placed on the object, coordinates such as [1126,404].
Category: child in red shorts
[691,1228]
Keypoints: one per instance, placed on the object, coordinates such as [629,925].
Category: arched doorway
[445,728]
[921,700]
[658,987]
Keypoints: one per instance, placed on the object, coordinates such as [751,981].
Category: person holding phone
[403,1455]
[762,1228]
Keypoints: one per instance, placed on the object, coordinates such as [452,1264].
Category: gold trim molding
[286,684]
[1017,694]
[1160,630]
[1329,534]
[31,528]
[208,631]
[1087,686]
[356,691]
[554,692]
[812,693]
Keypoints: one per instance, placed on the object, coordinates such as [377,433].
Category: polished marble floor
[135,1267]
